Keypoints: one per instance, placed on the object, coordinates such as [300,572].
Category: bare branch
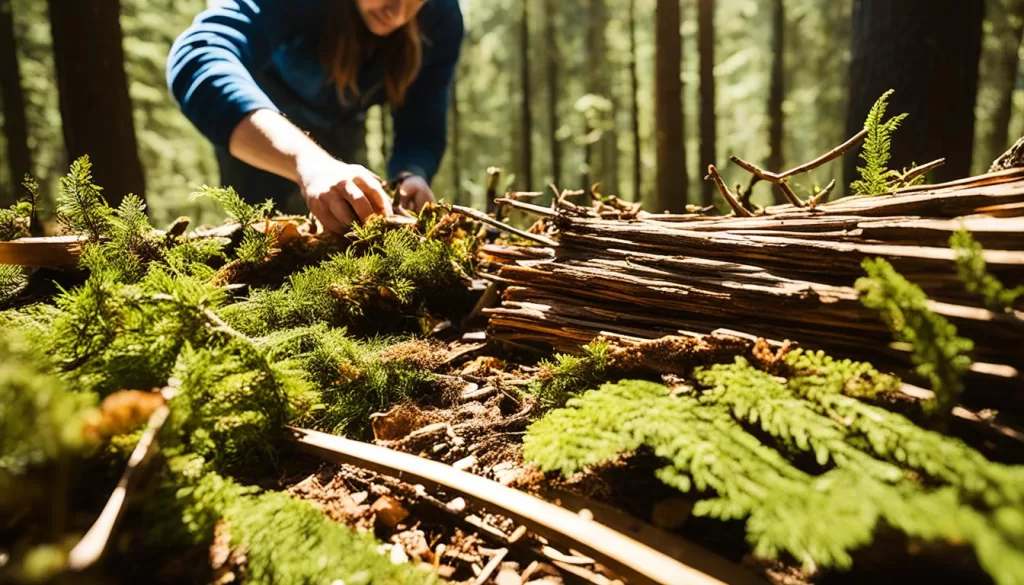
[724,190]
[482,217]
[827,157]
[920,170]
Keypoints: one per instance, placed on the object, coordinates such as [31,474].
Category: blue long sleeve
[421,125]
[244,55]
[211,65]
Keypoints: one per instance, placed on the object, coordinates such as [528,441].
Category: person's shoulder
[441,13]
[286,13]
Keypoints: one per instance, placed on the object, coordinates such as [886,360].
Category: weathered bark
[1009,65]
[777,91]
[94,102]
[708,132]
[634,106]
[928,52]
[19,157]
[671,193]
[525,114]
[551,69]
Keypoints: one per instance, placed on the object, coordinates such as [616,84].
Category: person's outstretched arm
[421,124]
[209,71]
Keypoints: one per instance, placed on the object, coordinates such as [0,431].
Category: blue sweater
[245,55]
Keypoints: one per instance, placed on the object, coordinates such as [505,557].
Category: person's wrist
[308,160]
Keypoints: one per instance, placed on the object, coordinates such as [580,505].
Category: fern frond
[81,208]
[13,280]
[939,354]
[234,206]
[876,177]
[971,268]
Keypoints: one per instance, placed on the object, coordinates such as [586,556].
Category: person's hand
[414,193]
[340,194]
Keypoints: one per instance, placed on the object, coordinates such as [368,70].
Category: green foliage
[40,419]
[16,220]
[13,280]
[857,379]
[233,403]
[255,247]
[938,354]
[286,541]
[876,177]
[970,266]
[232,203]
[818,519]
[354,378]
[389,274]
[568,375]
[81,208]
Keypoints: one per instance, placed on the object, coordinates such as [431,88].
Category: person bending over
[281,89]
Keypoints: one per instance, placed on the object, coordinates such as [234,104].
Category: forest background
[579,77]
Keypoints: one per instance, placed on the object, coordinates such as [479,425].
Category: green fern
[940,356]
[13,280]
[818,519]
[234,206]
[81,208]
[970,266]
[876,177]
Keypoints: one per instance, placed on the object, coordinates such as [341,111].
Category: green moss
[971,268]
[940,356]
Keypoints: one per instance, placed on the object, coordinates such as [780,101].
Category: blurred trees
[591,75]
[19,159]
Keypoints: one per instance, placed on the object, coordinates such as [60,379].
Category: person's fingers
[324,215]
[374,191]
[340,208]
[358,200]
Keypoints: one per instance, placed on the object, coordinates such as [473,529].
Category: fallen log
[786,273]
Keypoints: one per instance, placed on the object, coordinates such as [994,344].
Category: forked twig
[782,179]
[920,170]
[823,194]
[726,193]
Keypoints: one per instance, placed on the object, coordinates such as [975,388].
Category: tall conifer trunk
[19,157]
[94,102]
[706,31]
[928,52]
[671,192]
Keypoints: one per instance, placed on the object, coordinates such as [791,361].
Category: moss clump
[286,541]
[354,378]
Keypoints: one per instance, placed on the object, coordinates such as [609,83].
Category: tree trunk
[19,157]
[706,31]
[928,52]
[1000,139]
[777,92]
[551,51]
[671,192]
[455,148]
[94,102]
[634,105]
[526,116]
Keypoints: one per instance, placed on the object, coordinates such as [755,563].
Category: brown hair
[347,39]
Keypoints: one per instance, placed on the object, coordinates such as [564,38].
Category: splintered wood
[787,273]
